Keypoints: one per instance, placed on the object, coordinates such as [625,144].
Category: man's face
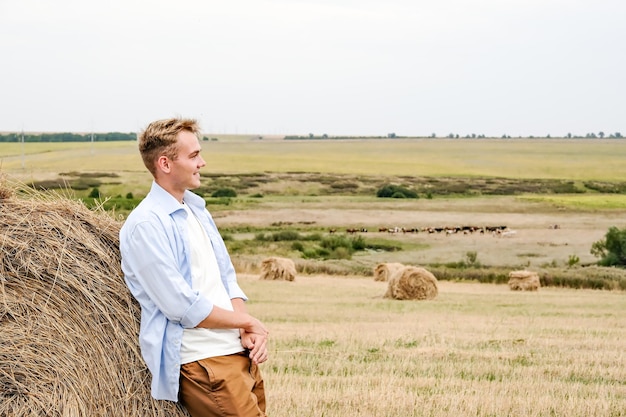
[185,169]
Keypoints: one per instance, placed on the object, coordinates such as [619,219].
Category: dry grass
[69,324]
[339,349]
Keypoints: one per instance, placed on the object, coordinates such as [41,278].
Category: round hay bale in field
[524,281]
[69,325]
[412,283]
[383,271]
[275,268]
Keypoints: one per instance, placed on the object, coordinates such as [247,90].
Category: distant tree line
[600,135]
[118,136]
[325,136]
[67,137]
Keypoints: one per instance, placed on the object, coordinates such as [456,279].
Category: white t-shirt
[200,343]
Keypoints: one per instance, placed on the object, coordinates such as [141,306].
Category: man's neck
[178,195]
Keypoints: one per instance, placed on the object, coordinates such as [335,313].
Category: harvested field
[339,349]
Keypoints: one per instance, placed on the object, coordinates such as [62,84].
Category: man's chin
[194,185]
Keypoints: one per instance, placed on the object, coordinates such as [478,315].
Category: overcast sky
[340,67]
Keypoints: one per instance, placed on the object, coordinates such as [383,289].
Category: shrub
[117,204]
[285,235]
[612,249]
[313,236]
[573,260]
[279,236]
[472,259]
[337,241]
[358,243]
[224,192]
[331,247]
[340,253]
[95,193]
[395,191]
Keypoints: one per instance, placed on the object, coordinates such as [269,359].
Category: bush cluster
[612,249]
[316,246]
[224,192]
[395,191]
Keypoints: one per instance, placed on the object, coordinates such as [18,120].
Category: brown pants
[223,386]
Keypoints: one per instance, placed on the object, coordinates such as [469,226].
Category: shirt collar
[169,204]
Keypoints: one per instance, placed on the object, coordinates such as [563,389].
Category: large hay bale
[69,325]
[383,271]
[412,283]
[524,281]
[275,268]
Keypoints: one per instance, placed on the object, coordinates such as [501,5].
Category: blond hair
[159,138]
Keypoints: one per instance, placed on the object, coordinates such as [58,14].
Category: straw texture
[69,325]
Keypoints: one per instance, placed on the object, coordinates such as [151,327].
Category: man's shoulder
[149,202]
[147,210]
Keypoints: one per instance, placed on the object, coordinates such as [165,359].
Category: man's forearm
[220,318]
[239,305]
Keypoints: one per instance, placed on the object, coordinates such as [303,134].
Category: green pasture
[581,201]
[575,159]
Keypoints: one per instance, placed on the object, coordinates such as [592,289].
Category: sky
[340,67]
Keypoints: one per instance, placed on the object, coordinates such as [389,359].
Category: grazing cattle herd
[499,231]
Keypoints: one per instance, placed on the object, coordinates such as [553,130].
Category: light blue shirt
[155,249]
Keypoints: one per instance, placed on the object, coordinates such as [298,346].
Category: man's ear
[163,164]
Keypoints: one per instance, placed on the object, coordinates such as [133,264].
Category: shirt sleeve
[152,271]
[232,286]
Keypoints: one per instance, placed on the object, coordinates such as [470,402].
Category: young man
[199,342]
